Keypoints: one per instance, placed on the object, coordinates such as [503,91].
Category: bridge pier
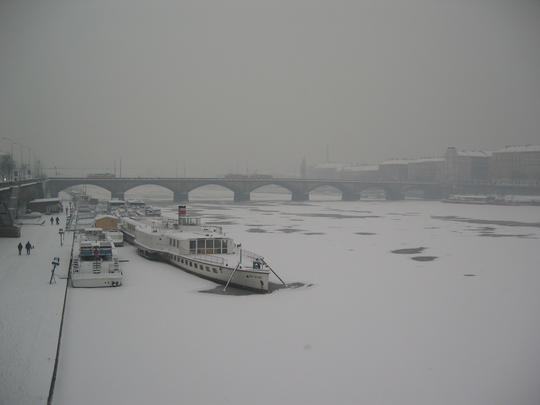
[117,195]
[350,196]
[241,196]
[394,195]
[433,194]
[181,196]
[300,196]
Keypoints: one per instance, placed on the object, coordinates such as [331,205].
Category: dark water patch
[344,210]
[409,251]
[404,214]
[470,275]
[258,225]
[365,233]
[482,229]
[297,203]
[314,233]
[424,258]
[234,291]
[220,217]
[211,206]
[502,235]
[260,210]
[487,221]
[222,223]
[256,230]
[289,230]
[333,216]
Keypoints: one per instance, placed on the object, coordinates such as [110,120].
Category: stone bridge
[242,188]
[14,197]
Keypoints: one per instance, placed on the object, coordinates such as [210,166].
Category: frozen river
[409,302]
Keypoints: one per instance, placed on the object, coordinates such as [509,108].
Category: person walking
[28,247]
[57,221]
[52,221]
[20,246]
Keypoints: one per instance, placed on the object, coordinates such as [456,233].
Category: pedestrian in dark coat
[57,221]
[20,246]
[28,246]
[52,221]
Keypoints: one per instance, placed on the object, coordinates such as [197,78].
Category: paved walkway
[30,312]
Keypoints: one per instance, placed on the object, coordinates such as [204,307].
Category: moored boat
[95,262]
[203,250]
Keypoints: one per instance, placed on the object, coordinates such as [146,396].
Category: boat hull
[96,280]
[245,279]
[242,278]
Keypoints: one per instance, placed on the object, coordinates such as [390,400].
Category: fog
[211,87]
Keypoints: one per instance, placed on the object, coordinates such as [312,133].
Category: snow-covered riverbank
[30,311]
[376,327]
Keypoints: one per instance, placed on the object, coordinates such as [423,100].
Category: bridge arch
[428,192]
[211,191]
[375,192]
[279,191]
[93,190]
[326,192]
[149,191]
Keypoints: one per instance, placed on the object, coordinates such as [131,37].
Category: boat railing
[250,255]
[202,257]
[208,258]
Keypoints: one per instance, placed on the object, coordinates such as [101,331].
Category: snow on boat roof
[519,148]
[396,162]
[331,165]
[105,216]
[184,232]
[38,200]
[423,160]
[473,153]
[363,168]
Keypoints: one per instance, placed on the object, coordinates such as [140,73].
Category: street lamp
[11,156]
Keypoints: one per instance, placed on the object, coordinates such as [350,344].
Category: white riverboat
[95,261]
[203,250]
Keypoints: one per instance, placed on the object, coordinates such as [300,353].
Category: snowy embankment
[376,327]
[30,311]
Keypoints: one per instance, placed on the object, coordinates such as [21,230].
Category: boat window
[196,266]
[207,269]
[192,246]
[215,271]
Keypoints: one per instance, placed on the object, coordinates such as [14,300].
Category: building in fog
[327,171]
[466,166]
[516,163]
[394,170]
[426,169]
[360,172]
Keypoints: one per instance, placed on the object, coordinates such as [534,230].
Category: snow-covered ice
[369,326]
[30,312]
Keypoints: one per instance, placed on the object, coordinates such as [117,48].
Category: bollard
[55,262]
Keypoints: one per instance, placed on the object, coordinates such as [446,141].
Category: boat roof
[182,232]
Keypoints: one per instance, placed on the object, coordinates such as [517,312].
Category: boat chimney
[182,212]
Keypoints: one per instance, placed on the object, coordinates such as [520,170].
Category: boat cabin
[95,250]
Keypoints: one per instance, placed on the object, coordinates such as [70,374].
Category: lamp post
[11,156]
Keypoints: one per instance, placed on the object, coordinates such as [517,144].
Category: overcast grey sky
[227,84]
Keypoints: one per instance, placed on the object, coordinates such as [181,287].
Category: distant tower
[303,169]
